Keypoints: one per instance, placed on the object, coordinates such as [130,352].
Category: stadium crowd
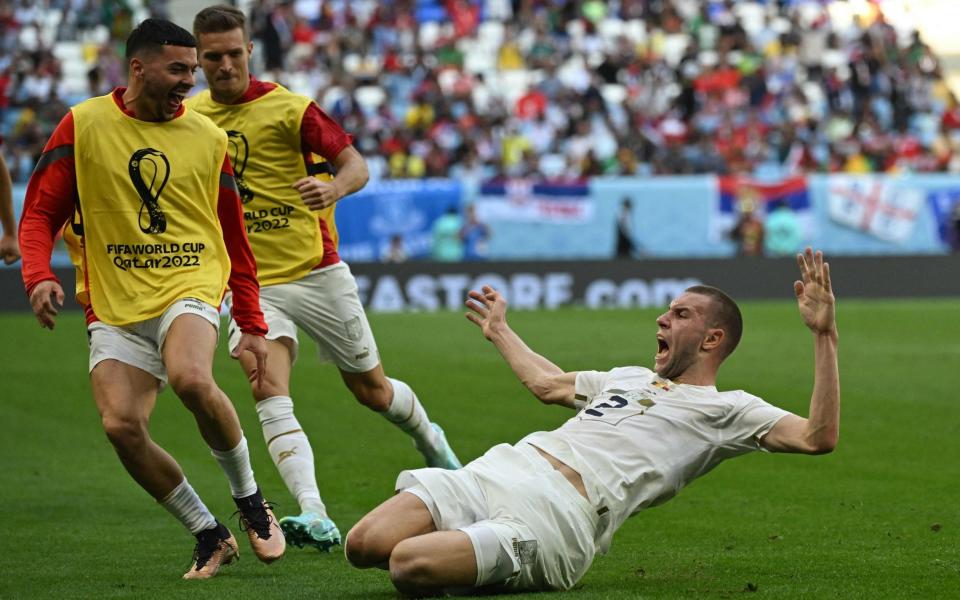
[547,88]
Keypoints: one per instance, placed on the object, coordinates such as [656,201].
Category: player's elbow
[546,390]
[362,172]
[823,445]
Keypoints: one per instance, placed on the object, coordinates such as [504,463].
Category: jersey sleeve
[588,385]
[320,134]
[50,201]
[243,267]
[750,420]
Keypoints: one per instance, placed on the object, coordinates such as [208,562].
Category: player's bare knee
[194,387]
[410,569]
[268,389]
[354,546]
[123,433]
[361,548]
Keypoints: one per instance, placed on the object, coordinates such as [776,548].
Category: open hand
[488,310]
[815,293]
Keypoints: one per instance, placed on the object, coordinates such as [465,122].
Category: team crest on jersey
[639,397]
[661,384]
[149,171]
[239,153]
[525,551]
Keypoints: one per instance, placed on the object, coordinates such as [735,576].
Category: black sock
[254,500]
[214,534]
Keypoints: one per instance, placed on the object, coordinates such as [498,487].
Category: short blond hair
[218,19]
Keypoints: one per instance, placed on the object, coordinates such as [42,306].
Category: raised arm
[817,434]
[548,382]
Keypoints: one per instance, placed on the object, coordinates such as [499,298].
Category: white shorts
[141,345]
[325,304]
[540,519]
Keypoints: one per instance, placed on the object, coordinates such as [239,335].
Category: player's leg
[286,440]
[436,533]
[125,396]
[331,312]
[427,564]
[398,403]
[188,340]
[400,535]
[372,540]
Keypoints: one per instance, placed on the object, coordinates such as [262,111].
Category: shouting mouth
[175,99]
[663,349]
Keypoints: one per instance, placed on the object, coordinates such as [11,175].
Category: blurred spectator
[396,252]
[447,245]
[570,89]
[474,235]
[626,247]
[537,89]
[748,233]
[782,236]
[37,84]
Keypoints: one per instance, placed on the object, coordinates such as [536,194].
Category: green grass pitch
[878,518]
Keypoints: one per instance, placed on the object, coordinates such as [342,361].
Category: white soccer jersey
[640,438]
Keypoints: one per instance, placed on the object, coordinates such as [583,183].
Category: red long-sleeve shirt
[52,196]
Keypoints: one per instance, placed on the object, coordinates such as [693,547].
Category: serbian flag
[736,195]
[524,201]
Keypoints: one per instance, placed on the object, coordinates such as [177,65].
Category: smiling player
[156,235]
[286,152]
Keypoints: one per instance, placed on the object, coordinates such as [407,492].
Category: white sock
[407,413]
[184,504]
[236,465]
[291,452]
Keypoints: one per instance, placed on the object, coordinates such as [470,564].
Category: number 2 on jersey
[618,402]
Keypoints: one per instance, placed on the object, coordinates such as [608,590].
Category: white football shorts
[325,304]
[141,345]
[542,523]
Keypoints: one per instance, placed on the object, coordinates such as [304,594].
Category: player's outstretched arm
[548,382]
[817,434]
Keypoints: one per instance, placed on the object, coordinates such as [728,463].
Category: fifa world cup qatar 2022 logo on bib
[149,171]
[239,153]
